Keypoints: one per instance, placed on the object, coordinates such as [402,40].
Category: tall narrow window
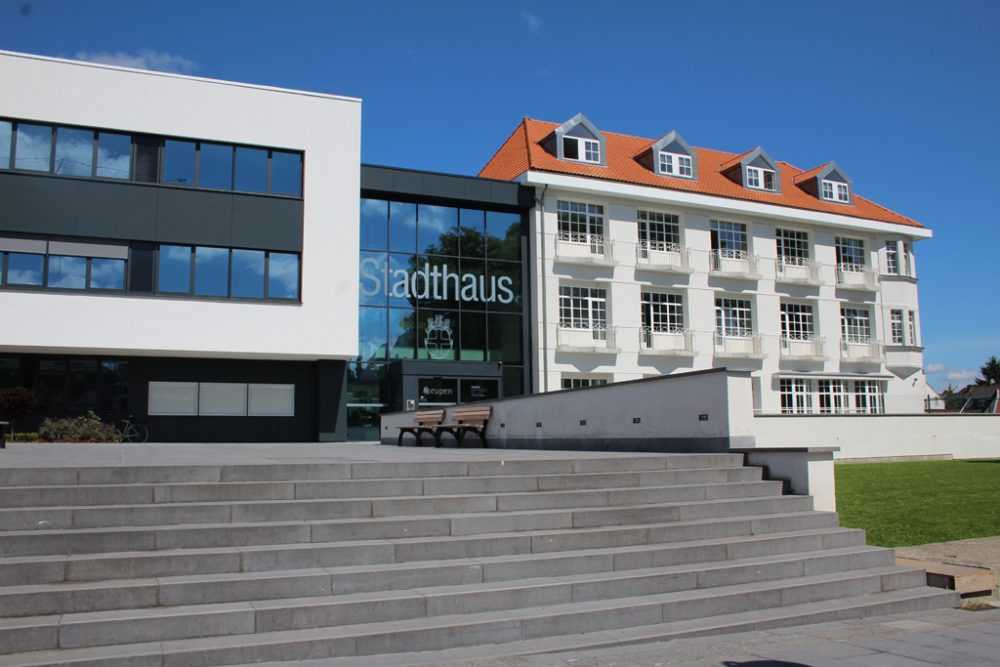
[912,319]
[905,259]
[896,327]
[796,396]
[34,147]
[6,128]
[74,152]
[114,155]
[892,257]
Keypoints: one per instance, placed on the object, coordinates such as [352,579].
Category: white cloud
[534,23]
[936,368]
[942,375]
[961,377]
[142,59]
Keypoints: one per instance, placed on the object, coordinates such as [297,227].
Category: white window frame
[896,336]
[848,250]
[727,230]
[843,193]
[662,312]
[676,164]
[912,325]
[798,321]
[869,397]
[581,381]
[658,231]
[733,317]
[757,179]
[892,257]
[581,222]
[835,191]
[855,324]
[584,147]
[583,307]
[834,397]
[795,395]
[795,240]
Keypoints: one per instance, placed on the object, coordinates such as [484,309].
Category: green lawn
[918,502]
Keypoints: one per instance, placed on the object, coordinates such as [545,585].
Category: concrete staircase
[231,564]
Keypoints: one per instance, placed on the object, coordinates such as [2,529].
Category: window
[869,397]
[286,173]
[796,396]
[178,162]
[892,257]
[729,239]
[74,152]
[24,269]
[215,166]
[107,274]
[759,178]
[733,317]
[580,382]
[855,325]
[912,319]
[582,223]
[662,313]
[583,308]
[585,150]
[793,246]
[67,272]
[896,327]
[850,254]
[838,192]
[6,128]
[905,259]
[659,231]
[833,397]
[225,272]
[797,321]
[33,148]
[251,169]
[114,155]
[221,399]
[675,164]
[70,272]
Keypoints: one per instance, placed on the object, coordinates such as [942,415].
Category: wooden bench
[3,434]
[472,419]
[425,421]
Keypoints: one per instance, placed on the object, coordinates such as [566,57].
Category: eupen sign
[433,283]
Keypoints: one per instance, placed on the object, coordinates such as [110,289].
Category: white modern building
[651,257]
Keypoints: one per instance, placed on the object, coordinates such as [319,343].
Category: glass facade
[437,283]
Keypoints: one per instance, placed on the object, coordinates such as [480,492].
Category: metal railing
[796,270]
[595,338]
[738,344]
[582,246]
[802,347]
[662,256]
[861,349]
[734,262]
[664,340]
[857,276]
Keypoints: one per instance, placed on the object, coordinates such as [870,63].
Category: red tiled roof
[812,173]
[523,152]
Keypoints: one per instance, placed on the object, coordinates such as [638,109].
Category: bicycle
[133,431]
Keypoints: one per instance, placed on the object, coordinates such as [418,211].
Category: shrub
[85,428]
[23,437]
[16,402]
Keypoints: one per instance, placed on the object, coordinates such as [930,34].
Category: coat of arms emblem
[438,339]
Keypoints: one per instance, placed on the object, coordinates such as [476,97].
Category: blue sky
[905,95]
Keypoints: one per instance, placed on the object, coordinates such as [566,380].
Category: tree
[990,372]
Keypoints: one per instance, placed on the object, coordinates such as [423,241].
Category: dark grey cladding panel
[463,190]
[443,185]
[580,130]
[377,178]
[193,217]
[479,190]
[675,147]
[267,223]
[117,210]
[835,175]
[760,161]
[38,204]
[409,181]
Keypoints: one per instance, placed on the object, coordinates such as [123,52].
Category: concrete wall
[886,436]
[603,418]
[326,128]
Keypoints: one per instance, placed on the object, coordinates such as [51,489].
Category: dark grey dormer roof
[758,157]
[673,143]
[580,127]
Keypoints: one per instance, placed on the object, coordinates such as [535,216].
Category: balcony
[739,346]
[595,339]
[857,277]
[582,248]
[664,342]
[796,271]
[803,349]
[734,264]
[660,256]
[862,351]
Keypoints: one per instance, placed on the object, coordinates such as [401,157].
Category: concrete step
[146,493]
[25,570]
[31,518]
[553,607]
[96,540]
[66,476]
[794,553]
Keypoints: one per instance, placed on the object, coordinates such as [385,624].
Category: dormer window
[761,179]
[674,164]
[835,192]
[586,150]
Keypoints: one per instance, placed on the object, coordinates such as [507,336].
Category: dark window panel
[506,276]
[6,129]
[11,373]
[402,333]
[74,152]
[437,230]
[52,383]
[286,173]
[402,227]
[505,339]
[474,296]
[248,274]
[147,159]
[114,155]
[374,224]
[372,329]
[473,228]
[174,273]
[113,396]
[251,169]
[215,167]
[513,380]
[83,381]
[178,162]
[473,337]
[34,147]
[399,284]
[211,271]
[283,275]
[503,236]
[478,390]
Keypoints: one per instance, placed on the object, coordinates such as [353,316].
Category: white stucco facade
[322,324]
[622,271]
